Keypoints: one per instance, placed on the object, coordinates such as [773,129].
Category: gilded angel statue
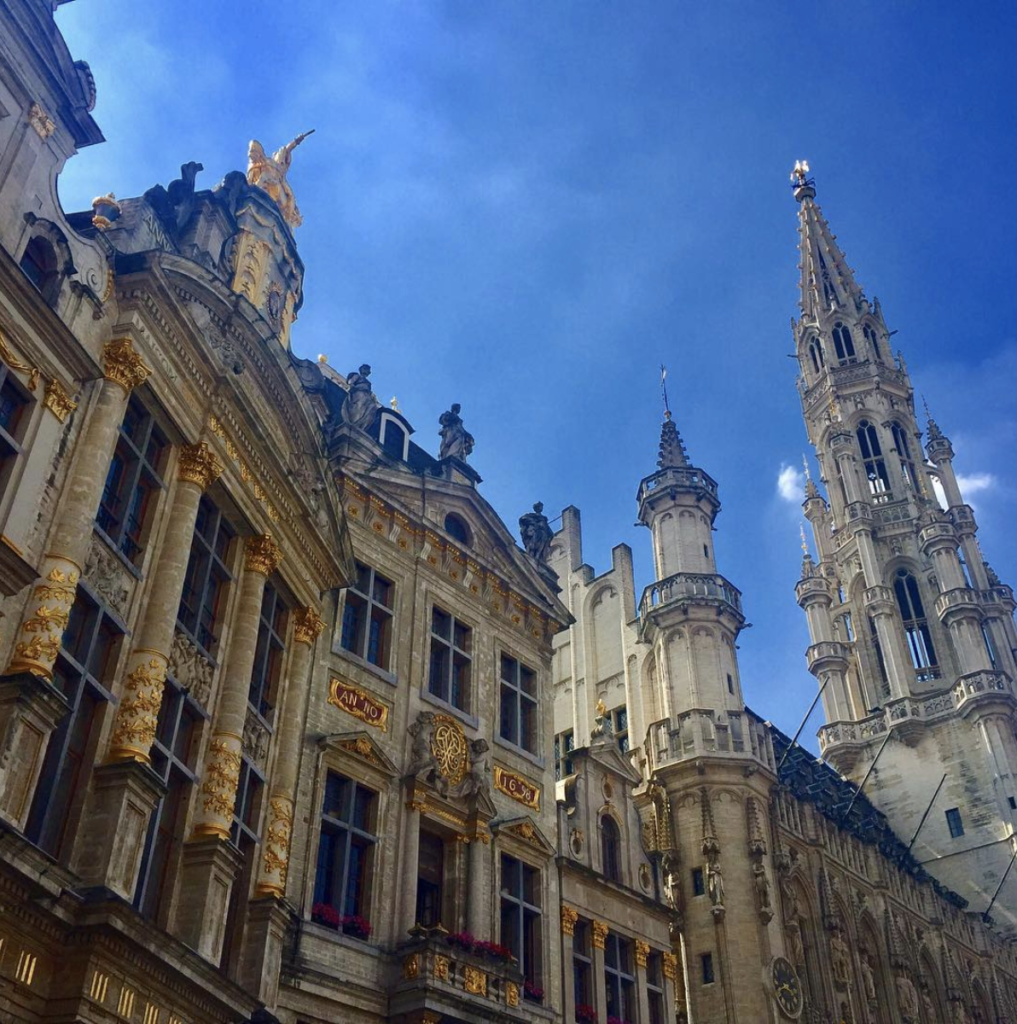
[269,173]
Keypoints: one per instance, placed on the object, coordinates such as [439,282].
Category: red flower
[586,1014]
[357,926]
[326,914]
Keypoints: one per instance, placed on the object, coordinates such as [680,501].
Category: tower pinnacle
[672,448]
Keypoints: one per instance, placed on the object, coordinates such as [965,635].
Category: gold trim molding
[357,702]
[518,788]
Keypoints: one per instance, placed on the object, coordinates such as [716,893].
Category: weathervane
[663,391]
[800,175]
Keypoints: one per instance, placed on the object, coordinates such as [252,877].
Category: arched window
[877,650]
[916,625]
[872,455]
[872,341]
[456,526]
[816,354]
[903,446]
[828,293]
[39,262]
[843,344]
[610,848]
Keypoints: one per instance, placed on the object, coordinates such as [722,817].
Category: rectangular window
[582,964]
[706,959]
[206,578]
[564,744]
[451,660]
[520,916]
[655,987]
[173,760]
[345,847]
[367,617]
[620,978]
[430,880]
[730,683]
[14,415]
[83,668]
[518,704]
[132,479]
[268,653]
[698,882]
[954,822]
[620,726]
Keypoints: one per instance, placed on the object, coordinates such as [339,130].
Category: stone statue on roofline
[269,173]
[456,442]
[535,532]
[359,408]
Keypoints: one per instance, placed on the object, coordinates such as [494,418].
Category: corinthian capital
[199,465]
[308,626]
[262,554]
[122,365]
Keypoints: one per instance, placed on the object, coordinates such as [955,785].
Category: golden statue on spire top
[269,174]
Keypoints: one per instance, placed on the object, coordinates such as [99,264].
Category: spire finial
[663,391]
[804,186]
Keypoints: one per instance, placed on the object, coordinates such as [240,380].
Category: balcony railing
[700,732]
[690,586]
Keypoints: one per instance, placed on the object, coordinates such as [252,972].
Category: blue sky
[527,207]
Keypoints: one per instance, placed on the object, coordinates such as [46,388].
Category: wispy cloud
[791,484]
[975,483]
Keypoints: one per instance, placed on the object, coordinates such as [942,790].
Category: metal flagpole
[985,913]
[808,715]
[861,785]
[927,810]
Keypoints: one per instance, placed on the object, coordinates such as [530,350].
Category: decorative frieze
[43,125]
[191,669]
[107,576]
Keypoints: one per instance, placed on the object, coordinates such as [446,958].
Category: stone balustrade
[827,654]
[696,587]
[702,732]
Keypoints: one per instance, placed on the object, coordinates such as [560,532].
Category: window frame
[12,442]
[655,987]
[270,652]
[520,701]
[620,977]
[529,916]
[564,746]
[610,849]
[370,610]
[917,628]
[582,963]
[871,448]
[955,822]
[452,649]
[118,516]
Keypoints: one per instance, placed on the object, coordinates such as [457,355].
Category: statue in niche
[536,533]
[672,881]
[907,998]
[456,443]
[269,173]
[868,978]
[840,958]
[715,882]
[359,408]
[422,759]
[762,886]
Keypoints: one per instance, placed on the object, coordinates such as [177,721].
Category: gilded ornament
[245,473]
[308,626]
[269,174]
[222,775]
[15,364]
[43,124]
[34,655]
[45,619]
[517,787]
[198,465]
[474,981]
[511,993]
[123,366]
[441,968]
[262,554]
[600,930]
[448,745]
[670,963]
[105,210]
[275,859]
[642,952]
[357,702]
[411,967]
[58,401]
[568,920]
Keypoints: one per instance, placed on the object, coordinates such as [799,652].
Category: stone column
[411,860]
[126,791]
[642,951]
[568,930]
[599,932]
[274,861]
[222,762]
[478,901]
[43,623]
[145,675]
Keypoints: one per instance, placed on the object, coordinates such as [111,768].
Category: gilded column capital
[568,920]
[642,952]
[600,931]
[262,554]
[670,966]
[198,465]
[58,401]
[122,365]
[308,626]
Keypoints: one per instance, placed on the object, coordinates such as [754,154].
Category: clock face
[786,987]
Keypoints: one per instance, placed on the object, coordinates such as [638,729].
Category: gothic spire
[827,282]
[672,448]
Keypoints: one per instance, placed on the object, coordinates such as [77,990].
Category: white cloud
[974,483]
[791,484]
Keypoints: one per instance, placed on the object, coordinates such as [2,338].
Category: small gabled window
[456,527]
[39,262]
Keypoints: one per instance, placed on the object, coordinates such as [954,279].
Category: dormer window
[456,527]
[393,437]
[39,262]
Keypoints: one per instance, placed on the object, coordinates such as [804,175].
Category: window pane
[441,623]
